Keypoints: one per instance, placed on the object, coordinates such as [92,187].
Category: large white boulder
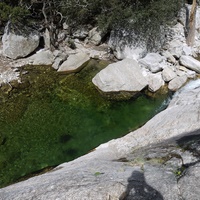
[175,47]
[74,63]
[17,45]
[124,75]
[190,63]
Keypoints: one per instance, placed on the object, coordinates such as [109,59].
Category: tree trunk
[190,39]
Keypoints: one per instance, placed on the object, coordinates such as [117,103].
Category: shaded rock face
[18,45]
[121,48]
[166,168]
[123,76]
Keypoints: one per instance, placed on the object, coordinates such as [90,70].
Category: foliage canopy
[145,17]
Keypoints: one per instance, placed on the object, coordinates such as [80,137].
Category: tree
[9,11]
[190,38]
[141,17]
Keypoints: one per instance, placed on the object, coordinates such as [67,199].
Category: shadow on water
[138,189]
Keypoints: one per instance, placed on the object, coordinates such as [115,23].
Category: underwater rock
[2,139]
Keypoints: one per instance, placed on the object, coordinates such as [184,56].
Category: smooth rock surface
[124,75]
[18,45]
[57,63]
[152,62]
[74,63]
[177,82]
[42,57]
[170,58]
[149,163]
[155,82]
[168,74]
[190,63]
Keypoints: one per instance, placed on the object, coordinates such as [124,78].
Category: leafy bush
[146,18]
[14,14]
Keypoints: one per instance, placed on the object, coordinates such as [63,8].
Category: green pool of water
[50,119]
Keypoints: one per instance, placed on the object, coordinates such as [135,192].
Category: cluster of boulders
[154,70]
[172,65]
[159,160]
[26,47]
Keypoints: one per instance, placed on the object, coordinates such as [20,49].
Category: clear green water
[55,118]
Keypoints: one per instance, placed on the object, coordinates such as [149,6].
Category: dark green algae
[51,118]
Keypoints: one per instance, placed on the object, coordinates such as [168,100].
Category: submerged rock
[123,76]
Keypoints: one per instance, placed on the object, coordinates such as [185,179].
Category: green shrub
[14,14]
[145,18]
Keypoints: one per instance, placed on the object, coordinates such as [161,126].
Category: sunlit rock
[17,44]
[155,82]
[177,82]
[152,61]
[190,63]
[122,76]
[168,74]
[74,63]
[42,57]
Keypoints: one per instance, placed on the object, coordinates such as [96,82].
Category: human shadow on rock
[138,189]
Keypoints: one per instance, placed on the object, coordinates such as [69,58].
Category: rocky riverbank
[172,65]
[160,160]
